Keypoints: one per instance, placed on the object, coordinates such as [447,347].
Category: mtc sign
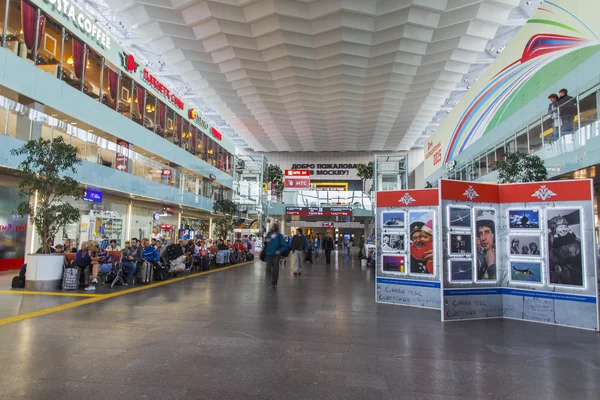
[297,179]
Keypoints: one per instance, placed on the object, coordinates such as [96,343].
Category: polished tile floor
[227,335]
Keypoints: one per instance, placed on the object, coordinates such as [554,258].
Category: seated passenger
[129,258]
[221,245]
[113,246]
[102,262]
[149,252]
[83,261]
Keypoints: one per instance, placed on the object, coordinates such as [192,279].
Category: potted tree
[365,173]
[275,176]
[520,167]
[224,224]
[45,186]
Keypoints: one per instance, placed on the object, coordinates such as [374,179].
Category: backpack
[18,282]
[285,252]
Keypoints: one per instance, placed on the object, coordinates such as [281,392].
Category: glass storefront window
[178,130]
[170,127]
[110,83]
[93,75]
[137,104]
[186,137]
[482,166]
[150,112]
[125,96]
[161,118]
[74,61]
[535,137]
[15,42]
[49,50]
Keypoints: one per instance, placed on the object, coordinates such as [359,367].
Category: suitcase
[146,272]
[18,282]
[70,279]
[204,263]
[250,257]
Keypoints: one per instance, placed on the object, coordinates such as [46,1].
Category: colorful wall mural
[559,36]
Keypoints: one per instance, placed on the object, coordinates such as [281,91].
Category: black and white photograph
[393,242]
[460,243]
[524,245]
[564,246]
[460,217]
[524,219]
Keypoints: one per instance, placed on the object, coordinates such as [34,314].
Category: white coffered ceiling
[324,75]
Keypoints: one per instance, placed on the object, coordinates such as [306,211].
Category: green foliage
[365,172]
[275,176]
[43,168]
[520,167]
[224,225]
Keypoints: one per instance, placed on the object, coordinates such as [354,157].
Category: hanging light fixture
[70,60]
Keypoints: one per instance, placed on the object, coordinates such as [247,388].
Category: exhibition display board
[408,253]
[520,251]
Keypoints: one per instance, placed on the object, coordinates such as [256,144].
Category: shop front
[13,230]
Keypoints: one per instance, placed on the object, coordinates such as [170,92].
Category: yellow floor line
[49,293]
[100,297]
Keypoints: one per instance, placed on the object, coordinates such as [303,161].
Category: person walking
[328,246]
[275,246]
[349,247]
[299,244]
[317,245]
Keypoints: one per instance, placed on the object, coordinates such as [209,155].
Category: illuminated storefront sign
[74,13]
[217,134]
[319,211]
[162,89]
[197,118]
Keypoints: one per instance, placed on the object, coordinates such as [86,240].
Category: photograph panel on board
[526,271]
[461,270]
[460,243]
[524,219]
[564,246]
[394,263]
[524,245]
[393,219]
[421,242]
[393,242]
[485,230]
[460,217]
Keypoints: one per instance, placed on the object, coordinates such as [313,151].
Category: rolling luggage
[250,257]
[205,263]
[146,272]
[70,279]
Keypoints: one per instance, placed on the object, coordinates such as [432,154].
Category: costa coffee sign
[162,89]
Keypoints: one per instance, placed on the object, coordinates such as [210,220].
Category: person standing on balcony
[567,109]
[553,111]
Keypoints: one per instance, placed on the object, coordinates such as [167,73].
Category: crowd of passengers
[97,258]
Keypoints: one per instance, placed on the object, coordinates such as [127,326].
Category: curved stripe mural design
[540,50]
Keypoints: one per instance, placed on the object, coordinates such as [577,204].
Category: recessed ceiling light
[73,123]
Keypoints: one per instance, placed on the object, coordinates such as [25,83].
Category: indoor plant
[520,167]
[45,187]
[224,224]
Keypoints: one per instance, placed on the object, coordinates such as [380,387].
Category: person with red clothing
[421,247]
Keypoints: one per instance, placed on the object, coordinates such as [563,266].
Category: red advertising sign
[216,133]
[408,198]
[162,89]
[297,172]
[297,183]
[122,163]
[469,191]
[165,227]
[297,179]
[570,190]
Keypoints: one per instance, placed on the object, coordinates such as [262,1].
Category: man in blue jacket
[275,246]
[299,245]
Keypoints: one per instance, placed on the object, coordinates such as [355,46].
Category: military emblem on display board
[406,199]
[471,193]
[543,193]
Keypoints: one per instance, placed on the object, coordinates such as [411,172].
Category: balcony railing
[559,131]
